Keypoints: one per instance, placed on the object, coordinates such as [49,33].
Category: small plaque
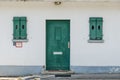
[18,44]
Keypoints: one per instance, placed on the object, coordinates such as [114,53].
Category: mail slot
[57,53]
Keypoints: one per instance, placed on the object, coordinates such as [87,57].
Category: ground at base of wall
[21,78]
[67,77]
[82,77]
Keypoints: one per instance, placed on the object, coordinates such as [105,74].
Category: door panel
[57,39]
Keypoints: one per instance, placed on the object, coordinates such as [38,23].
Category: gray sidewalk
[83,77]
[72,77]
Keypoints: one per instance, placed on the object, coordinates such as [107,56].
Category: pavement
[34,77]
[67,77]
[83,77]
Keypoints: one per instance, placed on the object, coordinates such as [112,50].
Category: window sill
[95,41]
[19,40]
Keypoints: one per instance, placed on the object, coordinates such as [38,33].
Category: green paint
[23,28]
[99,28]
[92,28]
[58,33]
[57,51]
[96,24]
[20,28]
[16,24]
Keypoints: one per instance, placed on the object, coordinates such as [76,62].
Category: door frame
[46,38]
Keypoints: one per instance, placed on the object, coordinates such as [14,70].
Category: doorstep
[57,72]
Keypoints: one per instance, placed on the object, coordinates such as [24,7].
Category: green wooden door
[58,45]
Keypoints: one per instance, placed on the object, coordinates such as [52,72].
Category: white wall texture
[68,0]
[82,52]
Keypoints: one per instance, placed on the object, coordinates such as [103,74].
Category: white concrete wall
[68,0]
[82,52]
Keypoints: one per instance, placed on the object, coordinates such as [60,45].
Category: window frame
[21,33]
[96,33]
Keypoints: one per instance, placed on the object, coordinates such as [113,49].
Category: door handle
[68,44]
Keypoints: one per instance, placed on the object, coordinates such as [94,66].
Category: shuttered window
[19,28]
[96,28]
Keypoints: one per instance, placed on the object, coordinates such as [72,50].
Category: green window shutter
[99,28]
[23,27]
[92,28]
[16,25]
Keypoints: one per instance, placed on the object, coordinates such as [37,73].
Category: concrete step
[56,72]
